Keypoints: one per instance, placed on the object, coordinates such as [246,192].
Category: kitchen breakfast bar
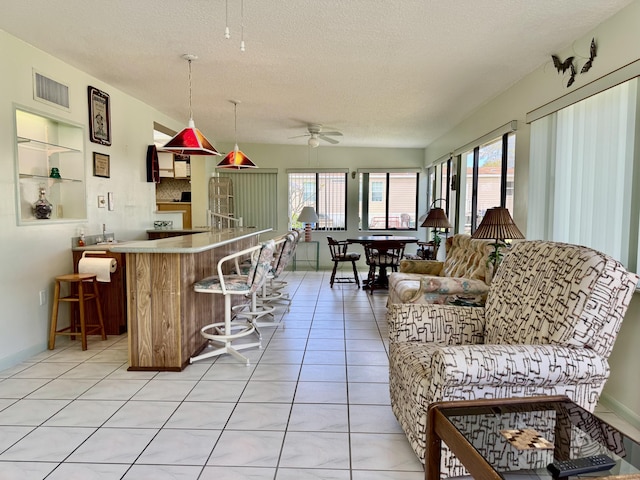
[165,315]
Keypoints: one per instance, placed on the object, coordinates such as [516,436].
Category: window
[326,192]
[388,200]
[487,179]
[377,191]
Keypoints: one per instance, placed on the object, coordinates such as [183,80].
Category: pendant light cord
[235,121]
[190,108]
[227,34]
[242,25]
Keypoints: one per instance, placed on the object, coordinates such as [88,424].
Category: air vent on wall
[50,92]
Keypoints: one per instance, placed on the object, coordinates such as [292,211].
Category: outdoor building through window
[325,191]
[388,200]
[487,176]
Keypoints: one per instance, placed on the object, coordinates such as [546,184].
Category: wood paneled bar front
[164,314]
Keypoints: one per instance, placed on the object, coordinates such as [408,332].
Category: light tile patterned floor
[314,404]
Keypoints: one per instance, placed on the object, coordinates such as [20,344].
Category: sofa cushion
[425,267]
[467,257]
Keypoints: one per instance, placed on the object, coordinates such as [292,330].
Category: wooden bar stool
[77,295]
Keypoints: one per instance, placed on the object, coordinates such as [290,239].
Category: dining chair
[382,256]
[339,254]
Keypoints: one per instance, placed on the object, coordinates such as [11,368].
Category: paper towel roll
[102,267]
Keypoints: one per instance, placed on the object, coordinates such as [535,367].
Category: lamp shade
[190,141]
[236,160]
[436,218]
[497,223]
[308,215]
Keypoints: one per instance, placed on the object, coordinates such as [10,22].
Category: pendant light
[190,141]
[227,33]
[235,159]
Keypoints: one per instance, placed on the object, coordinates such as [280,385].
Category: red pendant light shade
[237,160]
[190,141]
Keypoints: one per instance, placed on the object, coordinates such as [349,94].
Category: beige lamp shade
[307,216]
[497,224]
[436,218]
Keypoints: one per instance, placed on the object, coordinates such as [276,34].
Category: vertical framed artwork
[99,117]
[101,165]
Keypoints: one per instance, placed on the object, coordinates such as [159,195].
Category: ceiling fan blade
[299,136]
[335,134]
[328,139]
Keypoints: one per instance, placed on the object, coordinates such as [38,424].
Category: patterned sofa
[549,324]
[463,276]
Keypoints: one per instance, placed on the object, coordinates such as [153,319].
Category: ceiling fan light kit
[315,134]
[314,142]
[190,141]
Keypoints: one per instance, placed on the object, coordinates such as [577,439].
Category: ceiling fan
[315,134]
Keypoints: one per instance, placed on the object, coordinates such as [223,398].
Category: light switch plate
[110,200]
[101,201]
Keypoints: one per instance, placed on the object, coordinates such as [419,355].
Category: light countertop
[198,242]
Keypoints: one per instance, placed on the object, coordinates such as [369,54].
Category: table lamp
[307,216]
[436,219]
[497,224]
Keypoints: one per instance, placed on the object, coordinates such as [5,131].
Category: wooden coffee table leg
[434,448]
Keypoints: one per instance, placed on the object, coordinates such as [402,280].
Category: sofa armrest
[442,324]
[524,365]
[425,267]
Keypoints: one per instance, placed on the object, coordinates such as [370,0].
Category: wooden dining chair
[339,254]
[382,256]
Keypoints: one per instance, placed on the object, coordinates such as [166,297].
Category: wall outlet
[43,297]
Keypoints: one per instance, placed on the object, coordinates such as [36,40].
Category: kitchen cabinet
[174,166]
[113,295]
[184,207]
[49,157]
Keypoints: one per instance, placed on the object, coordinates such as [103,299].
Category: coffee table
[473,431]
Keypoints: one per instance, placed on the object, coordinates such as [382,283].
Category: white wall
[32,255]
[618,41]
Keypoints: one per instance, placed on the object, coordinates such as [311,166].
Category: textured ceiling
[386,73]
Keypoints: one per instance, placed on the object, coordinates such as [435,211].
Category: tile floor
[313,404]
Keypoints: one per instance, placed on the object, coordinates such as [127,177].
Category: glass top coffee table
[509,438]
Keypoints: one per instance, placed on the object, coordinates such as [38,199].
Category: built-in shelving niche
[43,143]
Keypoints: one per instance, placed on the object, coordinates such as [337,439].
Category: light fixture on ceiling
[313,141]
[227,33]
[235,159]
[190,141]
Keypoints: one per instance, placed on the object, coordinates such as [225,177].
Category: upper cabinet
[174,166]
[49,163]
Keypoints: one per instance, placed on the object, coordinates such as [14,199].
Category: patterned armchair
[463,277]
[549,324]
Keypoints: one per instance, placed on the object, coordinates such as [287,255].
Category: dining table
[382,279]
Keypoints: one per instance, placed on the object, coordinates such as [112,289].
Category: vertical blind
[255,198]
[582,174]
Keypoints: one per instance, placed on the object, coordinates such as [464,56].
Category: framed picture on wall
[101,165]
[99,117]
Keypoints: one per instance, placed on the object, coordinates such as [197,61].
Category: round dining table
[381,280]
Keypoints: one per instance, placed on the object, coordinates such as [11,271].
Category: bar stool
[79,298]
